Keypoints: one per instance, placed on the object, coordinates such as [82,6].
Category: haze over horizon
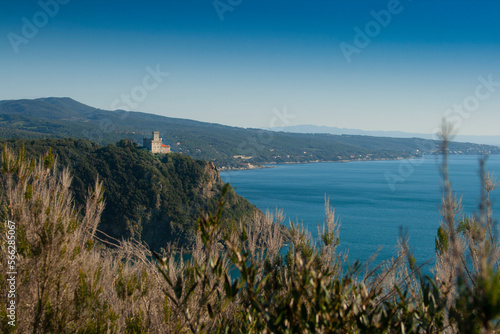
[245,63]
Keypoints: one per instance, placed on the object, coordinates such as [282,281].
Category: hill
[224,145]
[151,198]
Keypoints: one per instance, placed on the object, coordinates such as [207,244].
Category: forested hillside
[154,198]
[64,117]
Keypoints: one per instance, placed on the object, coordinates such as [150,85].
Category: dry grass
[70,281]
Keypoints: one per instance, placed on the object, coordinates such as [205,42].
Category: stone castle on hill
[155,144]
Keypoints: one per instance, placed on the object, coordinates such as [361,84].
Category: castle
[155,144]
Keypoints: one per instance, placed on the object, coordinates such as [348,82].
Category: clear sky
[343,63]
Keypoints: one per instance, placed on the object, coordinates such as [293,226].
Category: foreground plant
[467,265]
[240,276]
[67,281]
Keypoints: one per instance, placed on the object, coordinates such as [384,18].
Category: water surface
[371,209]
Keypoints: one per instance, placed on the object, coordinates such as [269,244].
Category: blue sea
[372,199]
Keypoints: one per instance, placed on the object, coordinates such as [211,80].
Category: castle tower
[155,144]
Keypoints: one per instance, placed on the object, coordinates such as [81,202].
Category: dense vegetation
[64,117]
[154,198]
[68,283]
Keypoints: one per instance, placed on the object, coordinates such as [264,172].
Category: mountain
[153,198]
[486,140]
[47,108]
[226,146]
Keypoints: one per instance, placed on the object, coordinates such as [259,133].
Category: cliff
[154,198]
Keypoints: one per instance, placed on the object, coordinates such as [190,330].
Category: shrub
[235,280]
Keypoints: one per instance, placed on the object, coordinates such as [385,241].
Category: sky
[372,65]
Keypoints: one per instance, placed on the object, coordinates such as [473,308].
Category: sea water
[373,200]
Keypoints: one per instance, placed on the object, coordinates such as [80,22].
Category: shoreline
[276,165]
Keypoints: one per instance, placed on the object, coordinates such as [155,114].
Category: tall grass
[236,280]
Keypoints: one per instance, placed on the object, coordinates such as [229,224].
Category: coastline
[276,165]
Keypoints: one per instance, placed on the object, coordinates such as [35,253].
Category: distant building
[155,144]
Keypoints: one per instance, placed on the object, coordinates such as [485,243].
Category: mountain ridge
[226,146]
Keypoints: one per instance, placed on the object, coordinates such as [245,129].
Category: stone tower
[155,144]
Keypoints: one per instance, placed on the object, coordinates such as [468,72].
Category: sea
[375,201]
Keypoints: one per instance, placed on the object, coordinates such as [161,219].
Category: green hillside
[64,117]
[151,198]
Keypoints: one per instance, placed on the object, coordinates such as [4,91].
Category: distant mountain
[224,145]
[486,140]
[47,108]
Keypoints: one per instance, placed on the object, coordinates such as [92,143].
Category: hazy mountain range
[487,140]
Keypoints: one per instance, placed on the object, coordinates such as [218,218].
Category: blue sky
[263,58]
